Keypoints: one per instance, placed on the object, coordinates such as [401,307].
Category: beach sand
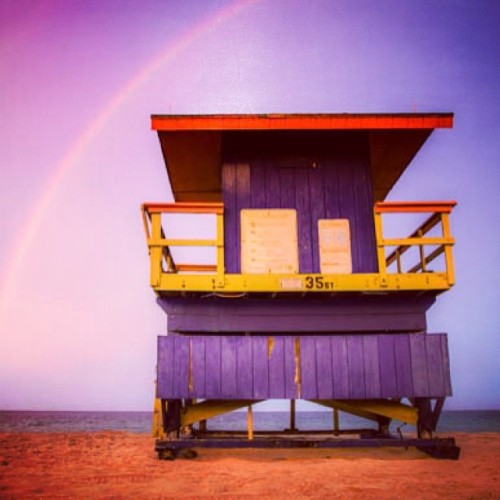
[121,465]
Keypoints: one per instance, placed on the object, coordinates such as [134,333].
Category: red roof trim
[444,207]
[302,122]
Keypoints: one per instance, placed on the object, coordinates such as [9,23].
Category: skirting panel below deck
[362,313]
[307,367]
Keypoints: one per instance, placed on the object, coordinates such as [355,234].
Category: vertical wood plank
[258,183]
[243,185]
[388,385]
[446,364]
[347,204]
[198,366]
[273,187]
[290,368]
[317,196]
[435,366]
[304,221]
[359,215]
[260,368]
[243,189]
[244,367]
[309,384]
[213,367]
[324,374]
[356,369]
[287,187]
[340,368]
[165,367]
[181,360]
[332,196]
[231,234]
[404,379]
[228,367]
[372,366]
[277,369]
[364,211]
[351,171]
[419,365]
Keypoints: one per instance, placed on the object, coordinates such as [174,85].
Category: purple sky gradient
[79,80]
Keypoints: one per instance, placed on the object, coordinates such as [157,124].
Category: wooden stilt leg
[250,423]
[203,426]
[292,415]
[383,425]
[336,422]
[425,417]
[157,420]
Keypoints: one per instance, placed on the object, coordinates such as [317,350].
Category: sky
[79,81]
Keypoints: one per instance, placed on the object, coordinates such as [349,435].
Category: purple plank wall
[329,367]
[322,176]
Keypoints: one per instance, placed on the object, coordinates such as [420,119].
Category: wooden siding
[362,313]
[325,176]
[328,367]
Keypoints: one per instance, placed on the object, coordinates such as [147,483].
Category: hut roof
[192,145]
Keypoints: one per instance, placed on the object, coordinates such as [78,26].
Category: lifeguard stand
[300,292]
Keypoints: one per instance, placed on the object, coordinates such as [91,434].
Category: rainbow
[31,227]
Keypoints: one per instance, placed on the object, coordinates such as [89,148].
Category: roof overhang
[192,144]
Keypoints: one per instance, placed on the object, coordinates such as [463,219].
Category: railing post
[450,269]
[220,246]
[156,253]
[421,252]
[382,268]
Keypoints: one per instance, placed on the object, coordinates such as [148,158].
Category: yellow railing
[160,245]
[403,263]
[442,244]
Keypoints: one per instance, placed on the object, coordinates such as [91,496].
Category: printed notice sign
[269,241]
[334,246]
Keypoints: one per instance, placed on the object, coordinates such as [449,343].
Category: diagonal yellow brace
[211,408]
[372,409]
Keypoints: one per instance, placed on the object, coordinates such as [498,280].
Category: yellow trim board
[248,283]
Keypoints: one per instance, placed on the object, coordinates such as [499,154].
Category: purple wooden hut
[284,275]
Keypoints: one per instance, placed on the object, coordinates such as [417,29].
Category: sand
[122,465]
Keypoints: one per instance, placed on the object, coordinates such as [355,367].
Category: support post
[336,427]
[203,426]
[450,270]
[425,417]
[423,262]
[220,247]
[250,423]
[292,416]
[155,252]
[382,266]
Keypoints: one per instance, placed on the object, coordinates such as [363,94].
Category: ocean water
[140,422]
